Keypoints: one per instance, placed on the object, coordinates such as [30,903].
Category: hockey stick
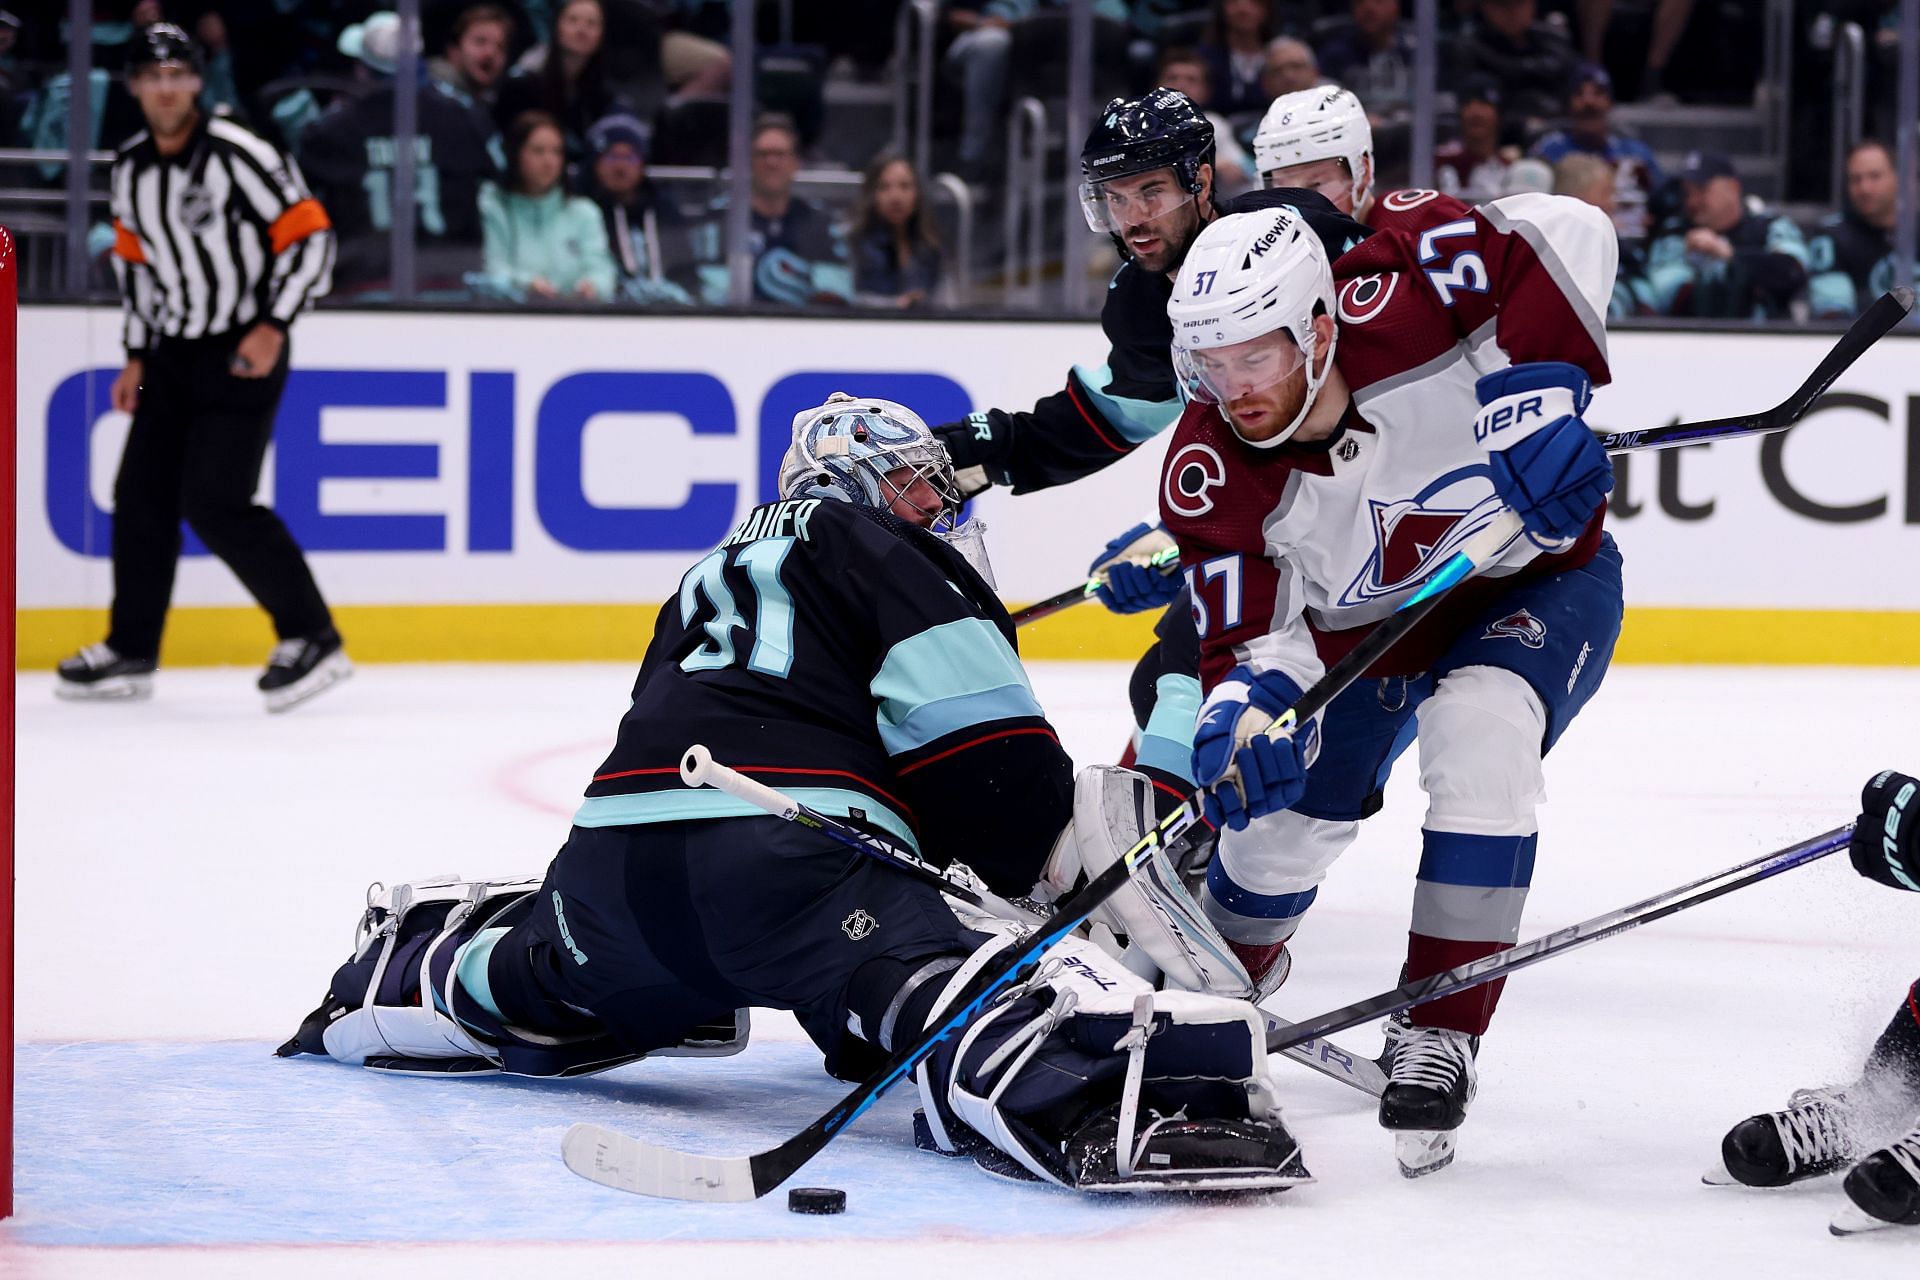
[1167,561]
[614,1159]
[1874,323]
[1500,964]
[698,768]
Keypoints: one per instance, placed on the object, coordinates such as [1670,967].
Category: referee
[218,246]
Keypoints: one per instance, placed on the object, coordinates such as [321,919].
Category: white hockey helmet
[856,450]
[1248,279]
[1324,123]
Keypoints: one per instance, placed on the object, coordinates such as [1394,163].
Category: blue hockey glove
[1131,587]
[1249,775]
[1886,835]
[1546,464]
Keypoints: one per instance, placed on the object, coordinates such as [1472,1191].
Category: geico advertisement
[559,459]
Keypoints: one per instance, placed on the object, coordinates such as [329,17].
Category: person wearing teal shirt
[540,241]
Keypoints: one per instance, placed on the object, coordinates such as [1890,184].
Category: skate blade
[331,671]
[116,689]
[1852,1220]
[1423,1151]
[1720,1176]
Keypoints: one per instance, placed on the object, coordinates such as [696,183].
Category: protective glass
[1222,375]
[1119,203]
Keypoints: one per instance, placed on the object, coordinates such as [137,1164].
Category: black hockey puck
[816,1200]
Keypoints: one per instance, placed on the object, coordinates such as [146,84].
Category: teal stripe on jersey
[470,970]
[1137,420]
[947,678]
[1167,741]
[687,806]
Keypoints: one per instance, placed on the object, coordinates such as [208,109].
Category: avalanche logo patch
[1411,198]
[859,924]
[1525,628]
[1191,476]
[1414,536]
[1362,299]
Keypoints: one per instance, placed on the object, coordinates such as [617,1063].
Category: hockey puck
[816,1200]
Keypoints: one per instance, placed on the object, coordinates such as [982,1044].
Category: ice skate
[99,674]
[1883,1190]
[302,667]
[1812,1136]
[1433,1080]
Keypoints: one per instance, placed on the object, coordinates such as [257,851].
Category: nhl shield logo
[1521,626]
[859,924]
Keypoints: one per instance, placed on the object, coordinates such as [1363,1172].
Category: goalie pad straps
[1083,1037]
[1112,811]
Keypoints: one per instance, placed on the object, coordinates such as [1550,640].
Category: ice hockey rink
[190,872]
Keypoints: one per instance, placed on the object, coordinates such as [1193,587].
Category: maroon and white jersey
[1293,553]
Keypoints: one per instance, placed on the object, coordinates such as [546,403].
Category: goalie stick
[698,768]
[1874,323]
[614,1159]
[1561,941]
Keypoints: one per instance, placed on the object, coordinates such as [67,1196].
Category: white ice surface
[190,870]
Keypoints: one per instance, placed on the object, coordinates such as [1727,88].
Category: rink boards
[493,487]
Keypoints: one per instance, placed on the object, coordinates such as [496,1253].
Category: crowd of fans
[538,121]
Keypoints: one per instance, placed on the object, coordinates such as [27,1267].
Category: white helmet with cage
[1324,123]
[869,452]
[1243,311]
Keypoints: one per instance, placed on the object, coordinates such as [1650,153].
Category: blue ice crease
[221,1143]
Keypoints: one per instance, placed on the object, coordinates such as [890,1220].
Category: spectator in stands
[1588,177]
[1290,67]
[1186,70]
[1473,166]
[565,77]
[897,261]
[1670,19]
[542,241]
[1851,255]
[1373,56]
[14,81]
[646,232]
[476,56]
[348,156]
[1235,48]
[1532,62]
[1590,131]
[799,256]
[1720,258]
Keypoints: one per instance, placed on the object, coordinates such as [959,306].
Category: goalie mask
[872,453]
[1243,314]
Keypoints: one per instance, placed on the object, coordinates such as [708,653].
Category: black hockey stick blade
[613,1159]
[1561,941]
[1873,324]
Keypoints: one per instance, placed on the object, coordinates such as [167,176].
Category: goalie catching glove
[1112,812]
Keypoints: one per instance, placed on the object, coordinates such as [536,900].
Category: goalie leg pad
[1086,1077]
[1113,810]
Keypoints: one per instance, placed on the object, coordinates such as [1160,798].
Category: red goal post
[9,391]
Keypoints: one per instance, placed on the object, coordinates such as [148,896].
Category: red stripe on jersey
[1913,1001]
[1470,1010]
[1093,421]
[967,746]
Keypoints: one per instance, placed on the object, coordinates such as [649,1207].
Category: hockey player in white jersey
[1353,425]
[1319,139]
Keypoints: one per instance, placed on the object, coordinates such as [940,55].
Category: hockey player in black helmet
[1825,1130]
[1147,170]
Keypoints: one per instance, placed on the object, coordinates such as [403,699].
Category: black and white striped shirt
[219,236]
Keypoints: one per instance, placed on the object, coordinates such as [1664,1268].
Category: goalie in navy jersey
[1825,1130]
[1353,424]
[843,646]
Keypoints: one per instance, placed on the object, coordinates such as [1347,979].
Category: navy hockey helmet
[1163,130]
[868,452]
[159,44]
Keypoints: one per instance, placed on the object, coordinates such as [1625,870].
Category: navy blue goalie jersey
[860,665]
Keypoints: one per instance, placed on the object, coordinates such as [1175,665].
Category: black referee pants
[199,437]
